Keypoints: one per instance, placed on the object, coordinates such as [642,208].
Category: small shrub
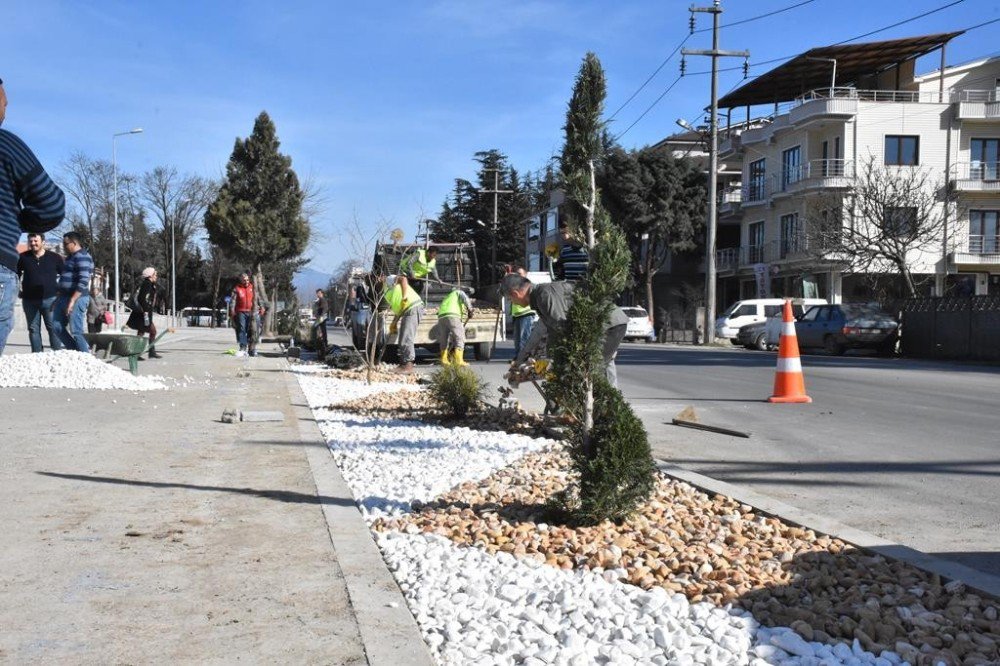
[457,389]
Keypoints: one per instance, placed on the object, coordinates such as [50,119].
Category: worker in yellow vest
[455,310]
[417,266]
[407,311]
[524,319]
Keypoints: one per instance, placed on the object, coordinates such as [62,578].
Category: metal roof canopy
[802,74]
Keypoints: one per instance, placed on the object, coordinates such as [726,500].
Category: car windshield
[635,312]
[729,310]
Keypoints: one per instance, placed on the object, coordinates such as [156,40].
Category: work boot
[404,369]
[153,354]
[457,357]
[444,357]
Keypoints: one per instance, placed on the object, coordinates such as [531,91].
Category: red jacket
[243,298]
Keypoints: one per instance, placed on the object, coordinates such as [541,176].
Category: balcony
[976,177]
[825,104]
[978,105]
[814,175]
[977,250]
[756,193]
[729,201]
[818,249]
[727,260]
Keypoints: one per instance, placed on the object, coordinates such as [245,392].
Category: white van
[752,311]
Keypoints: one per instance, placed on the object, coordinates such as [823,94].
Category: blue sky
[382,104]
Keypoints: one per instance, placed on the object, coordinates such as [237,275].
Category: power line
[649,108]
[683,41]
[756,18]
[867,34]
[651,76]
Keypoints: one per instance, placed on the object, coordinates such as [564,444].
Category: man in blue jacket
[29,201]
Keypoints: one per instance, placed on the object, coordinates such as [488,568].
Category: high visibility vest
[520,310]
[394,297]
[417,264]
[451,306]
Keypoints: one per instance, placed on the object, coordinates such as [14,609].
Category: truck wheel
[391,354]
[760,342]
[483,351]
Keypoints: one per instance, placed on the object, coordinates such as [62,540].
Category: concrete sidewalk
[139,528]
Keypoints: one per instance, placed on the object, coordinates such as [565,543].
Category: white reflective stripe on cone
[788,328]
[790,364]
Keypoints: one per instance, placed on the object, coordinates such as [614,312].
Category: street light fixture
[114,169]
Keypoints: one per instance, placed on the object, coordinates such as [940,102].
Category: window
[791,167]
[755,242]
[811,314]
[756,188]
[985,154]
[746,311]
[984,231]
[772,310]
[900,222]
[791,234]
[902,150]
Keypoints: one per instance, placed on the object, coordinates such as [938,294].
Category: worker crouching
[407,311]
[455,311]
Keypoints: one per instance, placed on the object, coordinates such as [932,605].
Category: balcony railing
[976,176]
[818,247]
[814,174]
[756,191]
[899,96]
[979,244]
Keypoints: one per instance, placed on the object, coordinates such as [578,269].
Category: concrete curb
[389,633]
[982,582]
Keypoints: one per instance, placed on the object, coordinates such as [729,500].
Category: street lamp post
[114,178]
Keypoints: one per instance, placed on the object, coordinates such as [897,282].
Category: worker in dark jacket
[552,302]
[573,257]
[143,307]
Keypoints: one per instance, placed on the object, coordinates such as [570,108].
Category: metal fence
[952,327]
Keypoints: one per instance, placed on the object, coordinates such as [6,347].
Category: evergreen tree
[257,216]
[612,459]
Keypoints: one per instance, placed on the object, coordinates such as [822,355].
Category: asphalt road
[904,449]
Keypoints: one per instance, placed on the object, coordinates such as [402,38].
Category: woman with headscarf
[143,306]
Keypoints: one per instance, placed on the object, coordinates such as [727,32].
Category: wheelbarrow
[120,345]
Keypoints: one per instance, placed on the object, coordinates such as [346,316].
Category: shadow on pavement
[277,495]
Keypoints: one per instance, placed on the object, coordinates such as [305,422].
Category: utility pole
[715,53]
[496,192]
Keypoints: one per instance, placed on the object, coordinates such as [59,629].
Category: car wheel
[760,342]
[887,348]
[831,346]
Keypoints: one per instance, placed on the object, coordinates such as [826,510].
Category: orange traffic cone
[789,384]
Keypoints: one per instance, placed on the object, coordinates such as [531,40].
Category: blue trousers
[8,294]
[70,328]
[522,331]
[37,310]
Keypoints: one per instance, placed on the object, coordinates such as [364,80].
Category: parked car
[774,322]
[639,325]
[837,328]
[751,311]
[753,336]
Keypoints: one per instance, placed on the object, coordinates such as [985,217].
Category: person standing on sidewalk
[143,308]
[29,201]
[241,312]
[70,315]
[97,310]
[39,272]
[321,313]
[407,310]
[454,311]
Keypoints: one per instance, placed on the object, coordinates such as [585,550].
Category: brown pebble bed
[382,375]
[709,548]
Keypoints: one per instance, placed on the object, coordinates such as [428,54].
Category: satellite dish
[396,235]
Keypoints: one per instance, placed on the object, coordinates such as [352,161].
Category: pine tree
[257,216]
[608,445]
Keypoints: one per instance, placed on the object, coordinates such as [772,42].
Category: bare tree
[891,219]
[361,243]
[90,183]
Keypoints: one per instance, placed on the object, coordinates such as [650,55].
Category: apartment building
[836,109]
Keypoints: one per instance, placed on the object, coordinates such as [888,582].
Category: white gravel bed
[326,391]
[477,608]
[389,464]
[72,370]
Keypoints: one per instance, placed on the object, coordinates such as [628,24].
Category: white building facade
[815,145]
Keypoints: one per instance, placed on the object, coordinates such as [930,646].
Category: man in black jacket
[39,272]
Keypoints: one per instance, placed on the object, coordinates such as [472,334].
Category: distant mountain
[307,281]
